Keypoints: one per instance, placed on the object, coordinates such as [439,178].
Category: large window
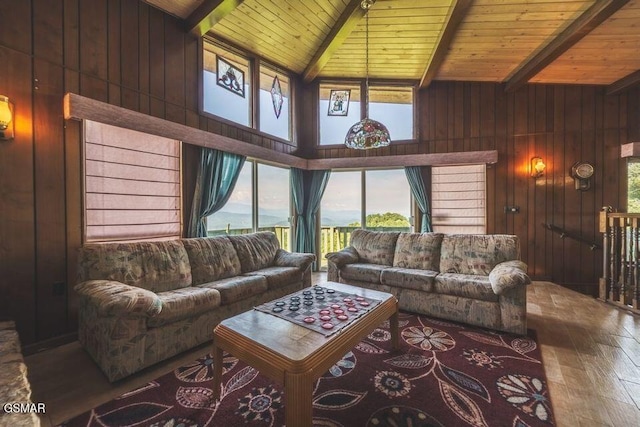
[260,201]
[340,107]
[380,199]
[633,186]
[132,184]
[229,87]
[458,199]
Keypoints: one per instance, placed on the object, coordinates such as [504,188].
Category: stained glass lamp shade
[367,133]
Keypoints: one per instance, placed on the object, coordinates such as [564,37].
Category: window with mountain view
[382,203]
[633,186]
[260,204]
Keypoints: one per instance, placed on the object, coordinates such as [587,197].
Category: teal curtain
[416,183]
[307,188]
[217,176]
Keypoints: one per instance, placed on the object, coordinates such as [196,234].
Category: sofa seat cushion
[362,272]
[465,285]
[256,250]
[418,250]
[374,247]
[183,303]
[408,278]
[212,258]
[235,289]
[278,277]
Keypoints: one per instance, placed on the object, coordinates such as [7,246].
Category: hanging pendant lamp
[367,133]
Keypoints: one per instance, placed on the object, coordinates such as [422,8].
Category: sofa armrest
[117,299]
[343,257]
[293,259]
[507,275]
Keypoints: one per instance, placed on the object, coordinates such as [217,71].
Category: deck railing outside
[332,238]
[620,284]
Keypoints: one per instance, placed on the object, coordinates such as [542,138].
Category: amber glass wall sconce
[6,118]
[537,167]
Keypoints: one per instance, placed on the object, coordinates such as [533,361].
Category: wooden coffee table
[293,355]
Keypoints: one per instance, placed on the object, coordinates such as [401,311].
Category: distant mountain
[220,220]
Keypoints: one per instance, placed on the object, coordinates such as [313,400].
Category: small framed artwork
[230,77]
[339,102]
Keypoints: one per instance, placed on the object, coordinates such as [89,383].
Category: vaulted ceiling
[508,41]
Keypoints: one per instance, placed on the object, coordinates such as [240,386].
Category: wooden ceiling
[509,41]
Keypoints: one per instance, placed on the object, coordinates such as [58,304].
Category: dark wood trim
[49,343]
[208,14]
[455,158]
[339,33]
[457,12]
[590,19]
[625,83]
[78,107]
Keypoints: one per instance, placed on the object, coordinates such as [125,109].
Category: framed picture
[339,102]
[230,77]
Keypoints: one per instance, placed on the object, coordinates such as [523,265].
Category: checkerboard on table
[321,309]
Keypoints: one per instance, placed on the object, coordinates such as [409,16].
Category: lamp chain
[366,82]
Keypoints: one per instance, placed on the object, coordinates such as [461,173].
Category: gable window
[389,104]
[246,91]
[131,185]
[458,199]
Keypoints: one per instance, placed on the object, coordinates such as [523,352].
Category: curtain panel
[218,173]
[419,192]
[307,188]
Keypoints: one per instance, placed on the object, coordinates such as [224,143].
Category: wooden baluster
[613,258]
[629,261]
[623,259]
[604,284]
[636,274]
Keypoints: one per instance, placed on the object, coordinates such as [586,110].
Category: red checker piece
[352,309]
[334,306]
[359,299]
[343,317]
[327,325]
[338,311]
[364,303]
[325,318]
[324,312]
[347,300]
[350,303]
[309,319]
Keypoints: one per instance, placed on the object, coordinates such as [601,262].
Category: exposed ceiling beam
[627,82]
[457,12]
[338,34]
[208,14]
[583,25]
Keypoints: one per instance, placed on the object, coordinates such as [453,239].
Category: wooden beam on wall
[627,82]
[583,25]
[457,12]
[432,159]
[208,14]
[339,33]
[78,107]
[631,149]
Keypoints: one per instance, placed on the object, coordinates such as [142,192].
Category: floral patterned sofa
[474,279]
[144,302]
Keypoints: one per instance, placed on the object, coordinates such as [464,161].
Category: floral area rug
[445,374]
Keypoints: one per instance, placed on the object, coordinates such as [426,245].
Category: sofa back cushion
[477,253]
[374,247]
[418,250]
[212,258]
[256,250]
[156,266]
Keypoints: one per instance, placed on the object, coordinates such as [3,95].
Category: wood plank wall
[119,51]
[562,124]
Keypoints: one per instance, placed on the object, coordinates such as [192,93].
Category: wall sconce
[6,118]
[537,167]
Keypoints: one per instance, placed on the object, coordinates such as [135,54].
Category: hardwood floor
[591,355]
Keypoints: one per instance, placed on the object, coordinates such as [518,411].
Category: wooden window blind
[132,185]
[458,196]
